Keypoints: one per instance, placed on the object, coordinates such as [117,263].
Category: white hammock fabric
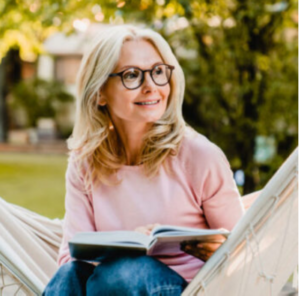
[261,252]
[29,246]
[257,258]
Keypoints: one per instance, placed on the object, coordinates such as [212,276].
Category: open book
[163,240]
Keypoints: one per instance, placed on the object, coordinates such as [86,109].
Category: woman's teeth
[147,103]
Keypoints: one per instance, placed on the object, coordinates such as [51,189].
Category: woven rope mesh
[10,285]
[258,262]
[259,265]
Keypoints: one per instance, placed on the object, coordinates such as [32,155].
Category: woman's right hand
[146,229]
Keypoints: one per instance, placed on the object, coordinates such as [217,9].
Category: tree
[248,76]
[39,98]
[10,74]
[239,59]
[3,112]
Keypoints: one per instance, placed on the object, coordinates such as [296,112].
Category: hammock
[256,259]
[261,252]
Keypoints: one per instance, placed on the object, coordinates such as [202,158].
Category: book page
[170,245]
[169,230]
[167,238]
[111,238]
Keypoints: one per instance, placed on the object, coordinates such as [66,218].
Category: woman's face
[122,102]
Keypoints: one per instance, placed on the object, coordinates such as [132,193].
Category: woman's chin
[153,117]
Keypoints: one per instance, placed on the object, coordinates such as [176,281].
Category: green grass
[34,181]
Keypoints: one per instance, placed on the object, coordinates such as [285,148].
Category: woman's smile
[148,103]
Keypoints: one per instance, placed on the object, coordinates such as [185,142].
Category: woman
[134,164]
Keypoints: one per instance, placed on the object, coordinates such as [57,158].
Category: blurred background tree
[39,98]
[239,60]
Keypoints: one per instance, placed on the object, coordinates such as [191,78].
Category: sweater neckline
[133,167]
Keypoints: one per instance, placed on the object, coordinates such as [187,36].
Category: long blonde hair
[92,139]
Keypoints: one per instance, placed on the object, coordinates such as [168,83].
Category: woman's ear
[101,99]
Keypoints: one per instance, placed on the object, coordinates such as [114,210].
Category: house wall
[63,68]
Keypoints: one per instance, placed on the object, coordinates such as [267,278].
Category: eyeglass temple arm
[115,74]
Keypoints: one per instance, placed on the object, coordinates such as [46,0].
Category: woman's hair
[92,139]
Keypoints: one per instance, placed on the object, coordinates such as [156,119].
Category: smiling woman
[128,74]
[134,164]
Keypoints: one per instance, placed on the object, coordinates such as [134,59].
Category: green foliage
[239,60]
[240,64]
[39,98]
[242,80]
[25,24]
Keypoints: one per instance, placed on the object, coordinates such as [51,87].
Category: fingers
[151,226]
[143,229]
[94,263]
[211,247]
[146,229]
[201,250]
[198,253]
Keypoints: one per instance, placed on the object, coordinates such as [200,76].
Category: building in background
[61,62]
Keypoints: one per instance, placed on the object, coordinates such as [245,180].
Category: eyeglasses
[134,77]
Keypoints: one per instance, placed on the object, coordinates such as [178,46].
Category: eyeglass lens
[160,74]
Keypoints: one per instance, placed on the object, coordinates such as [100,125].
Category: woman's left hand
[202,250]
[146,229]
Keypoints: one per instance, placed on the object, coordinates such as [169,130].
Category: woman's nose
[148,81]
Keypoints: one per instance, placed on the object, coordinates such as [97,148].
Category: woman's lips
[148,103]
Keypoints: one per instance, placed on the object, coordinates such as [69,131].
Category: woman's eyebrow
[130,66]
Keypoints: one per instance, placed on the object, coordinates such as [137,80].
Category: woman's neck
[132,139]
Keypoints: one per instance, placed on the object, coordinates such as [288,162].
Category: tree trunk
[3,110]
[10,74]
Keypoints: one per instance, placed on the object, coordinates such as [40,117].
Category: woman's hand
[146,229]
[202,250]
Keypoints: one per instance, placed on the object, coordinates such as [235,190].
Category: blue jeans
[125,276]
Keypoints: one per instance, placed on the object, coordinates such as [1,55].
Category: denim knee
[70,279]
[143,275]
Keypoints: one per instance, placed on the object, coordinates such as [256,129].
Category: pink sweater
[202,193]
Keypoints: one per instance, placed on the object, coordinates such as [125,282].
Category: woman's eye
[131,74]
[158,71]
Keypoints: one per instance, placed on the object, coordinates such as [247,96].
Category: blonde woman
[135,164]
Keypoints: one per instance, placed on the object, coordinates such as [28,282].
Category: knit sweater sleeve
[212,182]
[79,215]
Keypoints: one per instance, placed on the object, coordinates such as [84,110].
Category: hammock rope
[255,248]
[256,252]
[244,265]
[294,196]
[261,272]
[225,267]
[203,287]
[224,263]
[262,247]
[8,280]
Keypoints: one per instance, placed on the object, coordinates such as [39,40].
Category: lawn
[34,181]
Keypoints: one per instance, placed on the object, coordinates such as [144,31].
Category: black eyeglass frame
[143,75]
